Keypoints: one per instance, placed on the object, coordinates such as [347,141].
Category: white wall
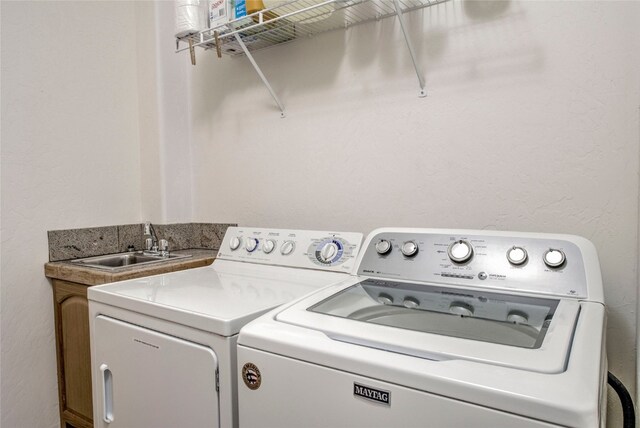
[70,158]
[531,124]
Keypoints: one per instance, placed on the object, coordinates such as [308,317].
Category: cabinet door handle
[107,394]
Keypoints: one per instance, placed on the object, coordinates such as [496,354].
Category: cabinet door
[74,359]
[149,379]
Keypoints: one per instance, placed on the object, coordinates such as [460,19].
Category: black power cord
[628,413]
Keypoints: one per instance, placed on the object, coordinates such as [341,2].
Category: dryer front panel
[148,379]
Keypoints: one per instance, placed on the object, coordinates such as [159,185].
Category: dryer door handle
[107,393]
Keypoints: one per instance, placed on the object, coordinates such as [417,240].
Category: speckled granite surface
[75,243]
[95,241]
[130,234]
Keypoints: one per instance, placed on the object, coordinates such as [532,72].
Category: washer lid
[220,298]
[442,323]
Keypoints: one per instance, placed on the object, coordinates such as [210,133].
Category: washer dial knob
[554,258]
[328,252]
[460,251]
[411,302]
[250,244]
[461,308]
[385,299]
[234,244]
[517,317]
[409,248]
[268,246]
[517,255]
[287,248]
[383,247]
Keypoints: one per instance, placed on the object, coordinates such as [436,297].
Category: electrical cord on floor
[628,413]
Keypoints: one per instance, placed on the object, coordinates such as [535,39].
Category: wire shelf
[285,21]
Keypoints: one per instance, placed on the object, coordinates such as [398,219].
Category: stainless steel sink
[115,261]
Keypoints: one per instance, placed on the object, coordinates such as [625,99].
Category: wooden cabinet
[71,311]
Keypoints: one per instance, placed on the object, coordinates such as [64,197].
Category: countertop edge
[67,271]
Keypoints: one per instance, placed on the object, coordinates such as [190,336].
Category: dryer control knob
[250,244]
[328,252]
[409,248]
[411,302]
[460,251]
[517,317]
[383,247]
[517,255]
[554,258]
[287,248]
[234,244]
[461,308]
[268,246]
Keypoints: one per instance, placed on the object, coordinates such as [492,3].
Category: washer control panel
[521,262]
[334,251]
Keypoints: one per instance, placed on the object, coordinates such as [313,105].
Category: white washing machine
[163,348]
[441,328]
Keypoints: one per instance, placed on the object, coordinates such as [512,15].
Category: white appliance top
[356,312]
[221,298]
[507,299]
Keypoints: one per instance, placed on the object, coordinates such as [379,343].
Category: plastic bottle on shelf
[190,17]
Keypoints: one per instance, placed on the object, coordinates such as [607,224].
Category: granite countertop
[67,271]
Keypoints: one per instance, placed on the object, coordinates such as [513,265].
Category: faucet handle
[163,245]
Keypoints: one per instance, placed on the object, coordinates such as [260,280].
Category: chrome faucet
[151,244]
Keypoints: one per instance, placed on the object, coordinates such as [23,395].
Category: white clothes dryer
[163,348]
[442,328]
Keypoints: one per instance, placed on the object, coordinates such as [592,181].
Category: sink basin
[114,261]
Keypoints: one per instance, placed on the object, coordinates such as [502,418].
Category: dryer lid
[220,298]
[443,323]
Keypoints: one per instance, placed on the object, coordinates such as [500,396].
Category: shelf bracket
[262,76]
[423,92]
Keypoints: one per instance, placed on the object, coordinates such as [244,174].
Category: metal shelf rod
[262,76]
[423,92]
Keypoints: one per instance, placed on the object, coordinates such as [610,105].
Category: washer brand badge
[251,376]
[378,395]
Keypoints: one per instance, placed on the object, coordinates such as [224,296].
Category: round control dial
[383,247]
[461,308]
[268,246]
[250,244]
[554,258]
[460,251]
[234,243]
[287,248]
[328,252]
[385,299]
[517,317]
[411,302]
[517,255]
[409,248]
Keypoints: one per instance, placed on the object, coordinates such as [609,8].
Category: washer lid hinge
[217,380]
